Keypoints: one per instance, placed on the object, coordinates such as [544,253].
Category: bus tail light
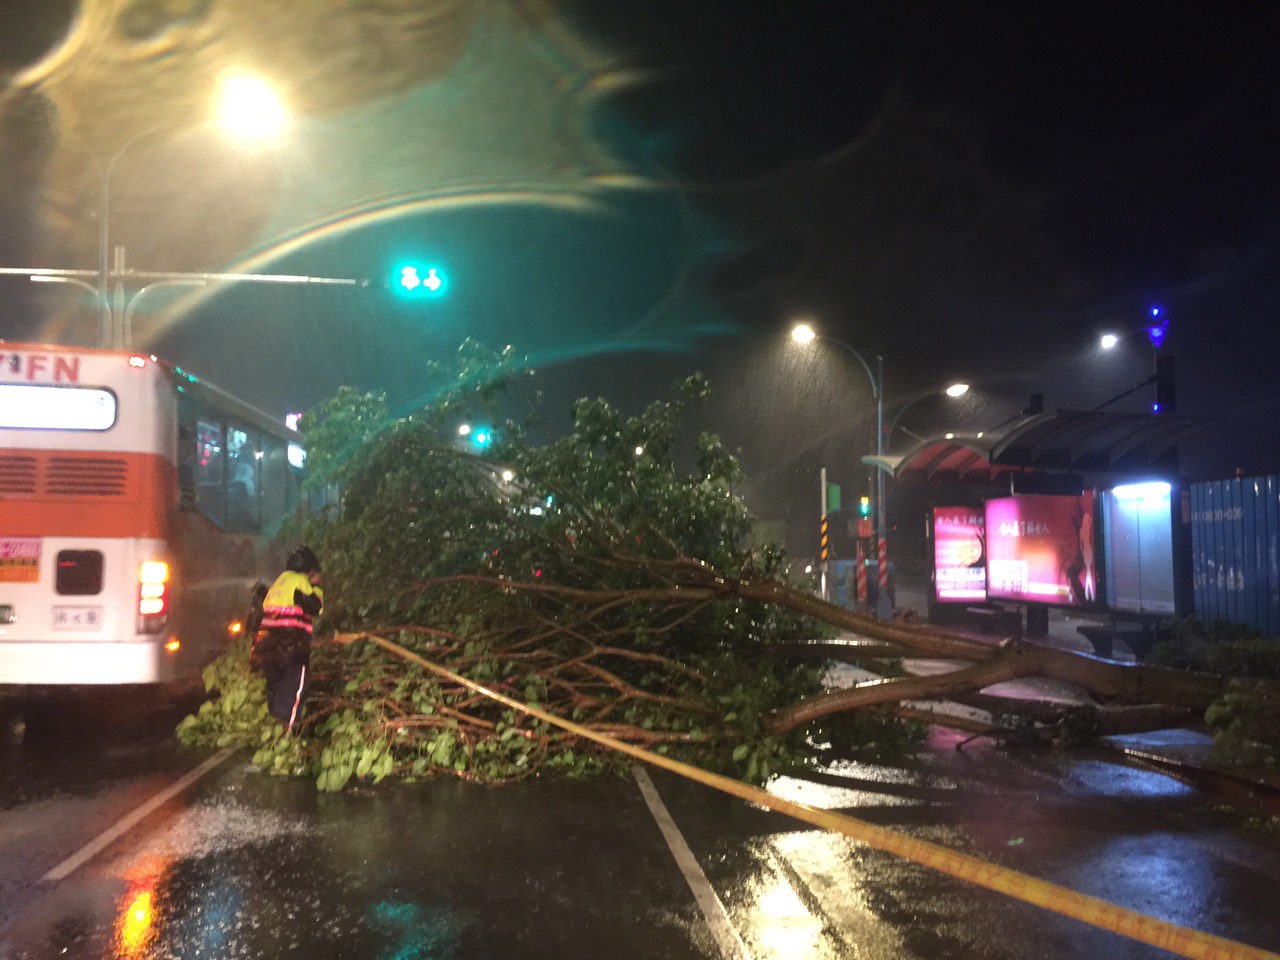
[153,596]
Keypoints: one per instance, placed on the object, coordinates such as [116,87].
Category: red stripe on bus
[72,495]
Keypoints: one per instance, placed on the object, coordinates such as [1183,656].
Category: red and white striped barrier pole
[882,564]
[862,576]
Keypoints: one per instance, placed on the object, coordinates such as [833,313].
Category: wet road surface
[243,865]
[254,867]
[1135,838]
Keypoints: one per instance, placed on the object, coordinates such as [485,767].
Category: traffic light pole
[1162,379]
[116,330]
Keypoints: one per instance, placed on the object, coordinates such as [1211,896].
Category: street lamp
[955,391]
[804,334]
[247,108]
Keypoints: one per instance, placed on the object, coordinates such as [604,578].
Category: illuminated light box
[1040,549]
[26,407]
[1138,526]
[959,555]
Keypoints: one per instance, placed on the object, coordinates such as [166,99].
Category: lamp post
[246,108]
[955,391]
[803,333]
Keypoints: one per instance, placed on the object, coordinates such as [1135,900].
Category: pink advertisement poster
[1040,549]
[959,555]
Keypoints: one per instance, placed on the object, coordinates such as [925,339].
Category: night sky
[629,192]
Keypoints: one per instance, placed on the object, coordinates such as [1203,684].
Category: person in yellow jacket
[282,645]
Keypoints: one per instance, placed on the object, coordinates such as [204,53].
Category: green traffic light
[416,279]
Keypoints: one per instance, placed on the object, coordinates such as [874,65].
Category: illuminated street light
[1108,341]
[803,333]
[955,391]
[248,108]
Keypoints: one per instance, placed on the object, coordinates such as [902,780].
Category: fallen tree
[613,581]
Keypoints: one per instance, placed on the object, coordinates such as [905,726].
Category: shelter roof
[1098,442]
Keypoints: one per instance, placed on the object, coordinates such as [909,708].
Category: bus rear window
[34,407]
[79,573]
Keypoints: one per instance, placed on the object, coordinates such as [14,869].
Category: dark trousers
[285,658]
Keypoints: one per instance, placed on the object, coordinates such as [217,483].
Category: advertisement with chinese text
[1040,549]
[959,555]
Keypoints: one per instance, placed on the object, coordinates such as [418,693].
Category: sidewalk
[1186,754]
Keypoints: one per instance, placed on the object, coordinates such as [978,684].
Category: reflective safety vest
[280,606]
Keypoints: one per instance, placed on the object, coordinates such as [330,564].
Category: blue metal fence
[1235,545]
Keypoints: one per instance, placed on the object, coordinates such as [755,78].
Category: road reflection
[135,928]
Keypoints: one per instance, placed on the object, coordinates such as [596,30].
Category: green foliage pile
[1244,722]
[565,586]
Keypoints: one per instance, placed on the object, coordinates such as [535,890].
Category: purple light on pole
[1157,330]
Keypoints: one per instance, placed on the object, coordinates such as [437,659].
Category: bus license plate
[77,618]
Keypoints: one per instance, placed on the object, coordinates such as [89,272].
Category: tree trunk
[1175,694]
[1106,681]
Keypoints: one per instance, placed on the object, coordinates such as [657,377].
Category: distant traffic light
[479,436]
[419,279]
[864,506]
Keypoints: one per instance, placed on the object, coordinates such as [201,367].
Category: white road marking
[112,833]
[731,945]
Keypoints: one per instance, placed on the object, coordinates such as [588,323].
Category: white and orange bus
[137,509]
